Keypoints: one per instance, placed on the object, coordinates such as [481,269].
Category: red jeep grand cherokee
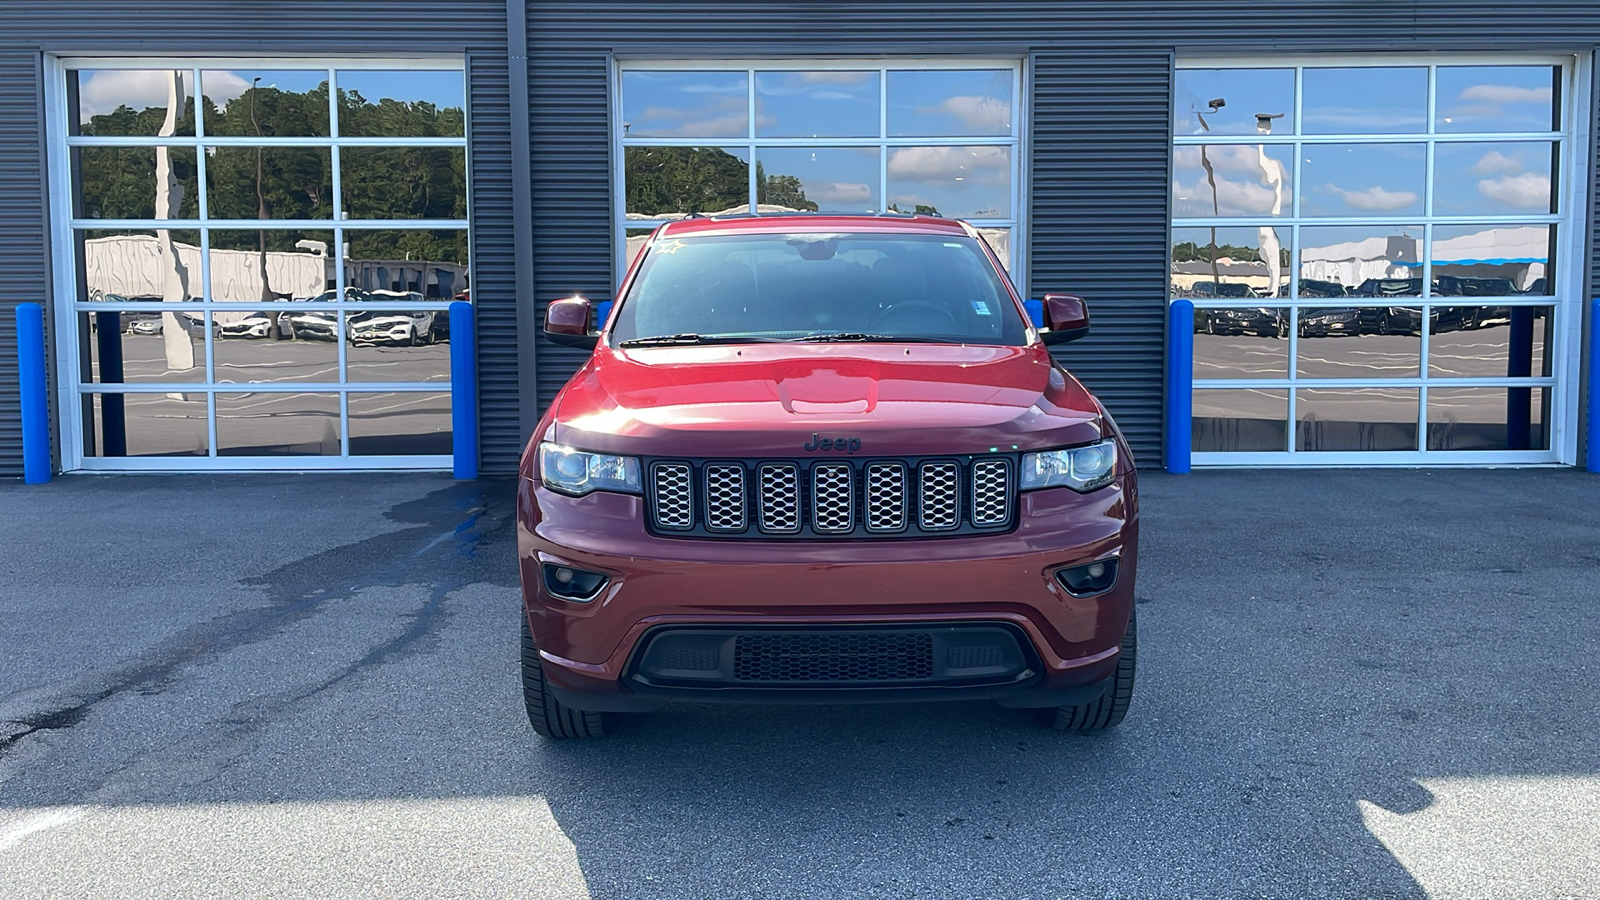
[824,459]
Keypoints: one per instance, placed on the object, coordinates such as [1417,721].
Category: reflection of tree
[296,183]
[1189,251]
[921,209]
[679,181]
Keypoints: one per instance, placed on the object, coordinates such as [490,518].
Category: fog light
[1088,580]
[572,584]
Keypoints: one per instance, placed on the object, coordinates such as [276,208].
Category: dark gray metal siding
[1099,115]
[289,28]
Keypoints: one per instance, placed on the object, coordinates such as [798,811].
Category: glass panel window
[135,425]
[1232,101]
[1356,419]
[270,264]
[1234,263]
[123,102]
[266,102]
[143,347]
[685,104]
[1358,342]
[950,103]
[637,237]
[1495,418]
[135,183]
[1241,342]
[400,423]
[398,345]
[837,179]
[1228,421]
[397,264]
[955,182]
[1362,179]
[1489,341]
[1498,99]
[1371,261]
[256,346]
[673,182]
[269,182]
[141,266]
[403,182]
[1493,260]
[1365,100]
[1500,179]
[829,103]
[277,424]
[1232,180]
[402,103]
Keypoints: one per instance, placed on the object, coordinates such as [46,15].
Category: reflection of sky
[837,179]
[224,86]
[1243,186]
[685,104]
[817,104]
[1364,100]
[973,182]
[442,89]
[954,103]
[100,92]
[1495,98]
[1247,92]
[1500,179]
[1361,179]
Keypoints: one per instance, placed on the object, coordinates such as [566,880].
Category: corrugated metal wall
[1102,75]
[287,28]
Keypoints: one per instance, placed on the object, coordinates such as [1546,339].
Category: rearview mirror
[566,322]
[1066,318]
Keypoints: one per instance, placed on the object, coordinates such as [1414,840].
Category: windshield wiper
[669,340]
[860,337]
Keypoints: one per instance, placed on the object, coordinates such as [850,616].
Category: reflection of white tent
[131,265]
[1519,253]
[1351,262]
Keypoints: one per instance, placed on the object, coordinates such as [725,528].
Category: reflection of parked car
[150,324]
[1311,287]
[1391,319]
[254,325]
[1389,287]
[392,328]
[1329,322]
[1225,289]
[311,325]
[1265,322]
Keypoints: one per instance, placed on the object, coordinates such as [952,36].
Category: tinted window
[793,285]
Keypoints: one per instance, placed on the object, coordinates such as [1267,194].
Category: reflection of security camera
[1216,104]
[1264,118]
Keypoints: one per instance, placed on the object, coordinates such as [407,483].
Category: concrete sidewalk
[1352,683]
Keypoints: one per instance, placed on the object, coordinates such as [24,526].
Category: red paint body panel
[767,400]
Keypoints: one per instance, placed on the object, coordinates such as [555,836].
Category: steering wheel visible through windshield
[817,286]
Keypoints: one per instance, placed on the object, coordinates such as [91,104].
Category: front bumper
[591,652]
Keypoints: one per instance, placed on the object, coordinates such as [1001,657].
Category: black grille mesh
[833,657]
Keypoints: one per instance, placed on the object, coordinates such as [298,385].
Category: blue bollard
[1593,439]
[464,389]
[35,410]
[1180,386]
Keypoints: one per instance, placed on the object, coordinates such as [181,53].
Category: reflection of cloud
[137,89]
[841,192]
[1505,93]
[1372,199]
[835,77]
[1496,163]
[1244,159]
[989,115]
[1233,197]
[1356,119]
[223,87]
[1525,191]
[948,163]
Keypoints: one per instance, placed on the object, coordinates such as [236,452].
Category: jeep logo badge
[818,442]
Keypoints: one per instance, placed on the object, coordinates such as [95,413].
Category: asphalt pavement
[1352,683]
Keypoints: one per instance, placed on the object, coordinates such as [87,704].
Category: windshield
[812,286]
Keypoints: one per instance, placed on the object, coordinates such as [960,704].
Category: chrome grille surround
[885,496]
[991,492]
[725,497]
[939,495]
[833,507]
[779,490]
[672,495]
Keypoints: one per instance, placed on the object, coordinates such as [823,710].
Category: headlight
[576,472]
[1082,468]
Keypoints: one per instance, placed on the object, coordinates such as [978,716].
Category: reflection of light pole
[1272,170]
[261,197]
[1211,179]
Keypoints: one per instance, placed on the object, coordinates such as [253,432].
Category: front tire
[1112,707]
[548,716]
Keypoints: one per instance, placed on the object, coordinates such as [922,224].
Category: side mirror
[1066,318]
[566,322]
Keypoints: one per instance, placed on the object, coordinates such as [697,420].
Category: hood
[776,399]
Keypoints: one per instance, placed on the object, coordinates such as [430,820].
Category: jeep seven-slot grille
[832,498]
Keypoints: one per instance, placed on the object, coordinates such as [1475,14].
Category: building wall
[475,29]
[1099,145]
